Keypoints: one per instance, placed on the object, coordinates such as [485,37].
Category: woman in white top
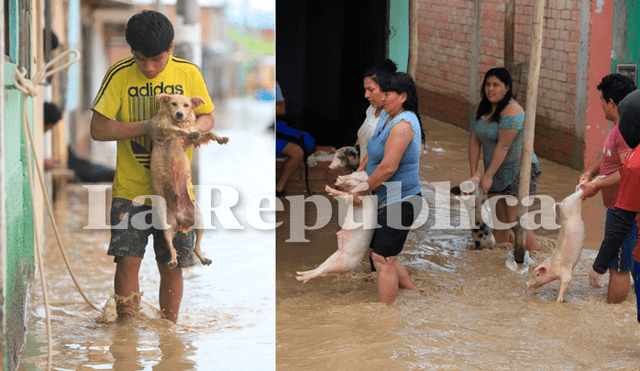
[374,95]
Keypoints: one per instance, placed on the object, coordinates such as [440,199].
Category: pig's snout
[335,165]
[534,283]
[530,284]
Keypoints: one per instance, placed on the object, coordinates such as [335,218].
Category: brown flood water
[472,313]
[226,320]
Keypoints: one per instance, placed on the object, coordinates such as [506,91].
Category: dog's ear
[162,97]
[351,153]
[196,101]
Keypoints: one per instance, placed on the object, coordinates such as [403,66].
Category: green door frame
[626,38]
[399,33]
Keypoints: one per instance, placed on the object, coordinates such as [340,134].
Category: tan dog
[176,131]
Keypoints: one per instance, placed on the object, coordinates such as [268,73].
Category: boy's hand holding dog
[151,129]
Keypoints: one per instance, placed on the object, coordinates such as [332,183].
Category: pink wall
[600,46]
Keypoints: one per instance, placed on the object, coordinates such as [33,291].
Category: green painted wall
[626,34]
[399,33]
[19,213]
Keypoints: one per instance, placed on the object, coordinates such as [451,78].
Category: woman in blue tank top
[392,163]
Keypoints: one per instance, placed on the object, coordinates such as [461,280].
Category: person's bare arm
[105,129]
[505,139]
[363,163]
[399,139]
[592,170]
[205,122]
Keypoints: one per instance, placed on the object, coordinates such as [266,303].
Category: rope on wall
[28,88]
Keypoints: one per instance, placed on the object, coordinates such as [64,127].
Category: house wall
[18,247]
[602,16]
[19,224]
[459,40]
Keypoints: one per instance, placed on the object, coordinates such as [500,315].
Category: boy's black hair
[149,33]
[485,106]
[52,114]
[616,86]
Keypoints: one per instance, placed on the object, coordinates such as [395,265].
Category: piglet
[348,182]
[355,236]
[568,248]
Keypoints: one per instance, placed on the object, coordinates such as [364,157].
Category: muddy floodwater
[227,315]
[472,313]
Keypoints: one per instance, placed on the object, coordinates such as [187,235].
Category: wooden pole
[529,125]
[509,46]
[509,34]
[413,38]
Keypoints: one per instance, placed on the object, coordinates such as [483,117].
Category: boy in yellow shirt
[125,110]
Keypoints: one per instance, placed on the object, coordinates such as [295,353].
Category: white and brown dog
[346,157]
[175,131]
[481,234]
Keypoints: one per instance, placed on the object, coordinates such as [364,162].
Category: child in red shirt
[628,203]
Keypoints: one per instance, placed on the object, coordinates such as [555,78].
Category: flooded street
[472,313]
[227,315]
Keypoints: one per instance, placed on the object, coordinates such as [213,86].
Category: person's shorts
[132,241]
[623,261]
[512,189]
[388,241]
[280,144]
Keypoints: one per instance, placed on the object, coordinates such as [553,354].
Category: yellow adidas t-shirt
[126,95]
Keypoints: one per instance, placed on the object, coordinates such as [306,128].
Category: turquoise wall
[626,43]
[399,33]
[74,41]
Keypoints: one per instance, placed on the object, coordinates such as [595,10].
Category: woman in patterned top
[498,129]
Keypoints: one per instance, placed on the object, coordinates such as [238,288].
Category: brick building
[324,48]
[459,40]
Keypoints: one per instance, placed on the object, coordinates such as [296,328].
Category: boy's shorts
[623,261]
[388,241]
[132,241]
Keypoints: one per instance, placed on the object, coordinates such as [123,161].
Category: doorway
[323,49]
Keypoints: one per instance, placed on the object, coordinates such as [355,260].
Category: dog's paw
[194,135]
[172,264]
[205,261]
[223,140]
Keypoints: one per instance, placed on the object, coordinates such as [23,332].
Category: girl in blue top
[392,163]
[498,129]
